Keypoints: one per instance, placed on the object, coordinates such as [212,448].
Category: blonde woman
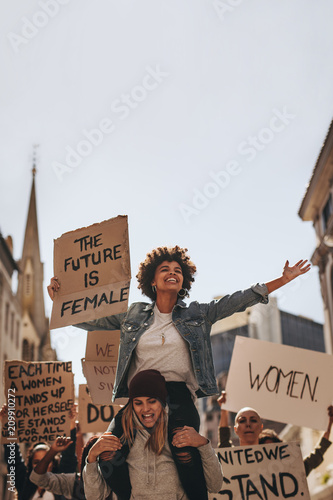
[152,470]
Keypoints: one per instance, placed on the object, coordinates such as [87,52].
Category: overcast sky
[200,120]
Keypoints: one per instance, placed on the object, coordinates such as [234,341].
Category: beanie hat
[150,384]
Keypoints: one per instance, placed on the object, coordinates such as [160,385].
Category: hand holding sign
[53,287]
[91,273]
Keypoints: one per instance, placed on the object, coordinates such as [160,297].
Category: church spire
[30,283]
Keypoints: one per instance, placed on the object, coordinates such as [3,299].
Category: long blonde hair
[157,438]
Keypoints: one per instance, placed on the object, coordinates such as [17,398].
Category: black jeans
[182,411]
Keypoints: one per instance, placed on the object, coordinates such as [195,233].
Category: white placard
[100,377]
[269,472]
[283,383]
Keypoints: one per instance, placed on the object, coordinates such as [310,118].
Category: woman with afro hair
[174,338]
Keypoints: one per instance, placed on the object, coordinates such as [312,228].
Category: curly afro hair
[153,259]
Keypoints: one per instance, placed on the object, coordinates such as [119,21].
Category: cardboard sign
[92,265]
[269,471]
[103,345]
[94,418]
[100,365]
[39,398]
[282,383]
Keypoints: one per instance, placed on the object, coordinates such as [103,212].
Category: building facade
[317,207]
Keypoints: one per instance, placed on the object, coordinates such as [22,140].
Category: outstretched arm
[60,444]
[224,429]
[315,458]
[289,274]
[68,461]
[224,415]
[59,484]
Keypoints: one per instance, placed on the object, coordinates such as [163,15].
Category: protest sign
[94,418]
[270,471]
[100,365]
[92,265]
[283,383]
[39,397]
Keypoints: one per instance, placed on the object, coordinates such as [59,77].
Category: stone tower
[30,291]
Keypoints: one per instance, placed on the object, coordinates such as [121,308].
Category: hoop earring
[153,287]
[182,295]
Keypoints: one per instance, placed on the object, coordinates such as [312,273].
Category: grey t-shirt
[162,348]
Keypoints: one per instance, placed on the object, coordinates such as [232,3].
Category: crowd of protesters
[153,447]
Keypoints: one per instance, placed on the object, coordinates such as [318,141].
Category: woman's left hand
[187,436]
[290,273]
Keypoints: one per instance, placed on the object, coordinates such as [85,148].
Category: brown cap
[150,384]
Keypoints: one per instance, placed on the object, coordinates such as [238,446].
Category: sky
[200,120]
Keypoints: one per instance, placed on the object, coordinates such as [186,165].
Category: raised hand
[222,399]
[60,444]
[288,274]
[301,267]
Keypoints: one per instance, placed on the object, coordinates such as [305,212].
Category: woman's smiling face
[168,277]
[148,410]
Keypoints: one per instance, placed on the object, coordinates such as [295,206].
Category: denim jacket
[193,322]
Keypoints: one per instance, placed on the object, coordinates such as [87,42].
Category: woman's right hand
[53,287]
[61,443]
[107,442]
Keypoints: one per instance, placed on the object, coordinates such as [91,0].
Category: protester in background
[69,485]
[174,338]
[248,425]
[311,462]
[152,470]
[315,458]
[26,490]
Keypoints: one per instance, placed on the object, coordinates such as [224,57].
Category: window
[12,317]
[27,284]
[32,352]
[25,350]
[17,334]
[327,212]
[6,317]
